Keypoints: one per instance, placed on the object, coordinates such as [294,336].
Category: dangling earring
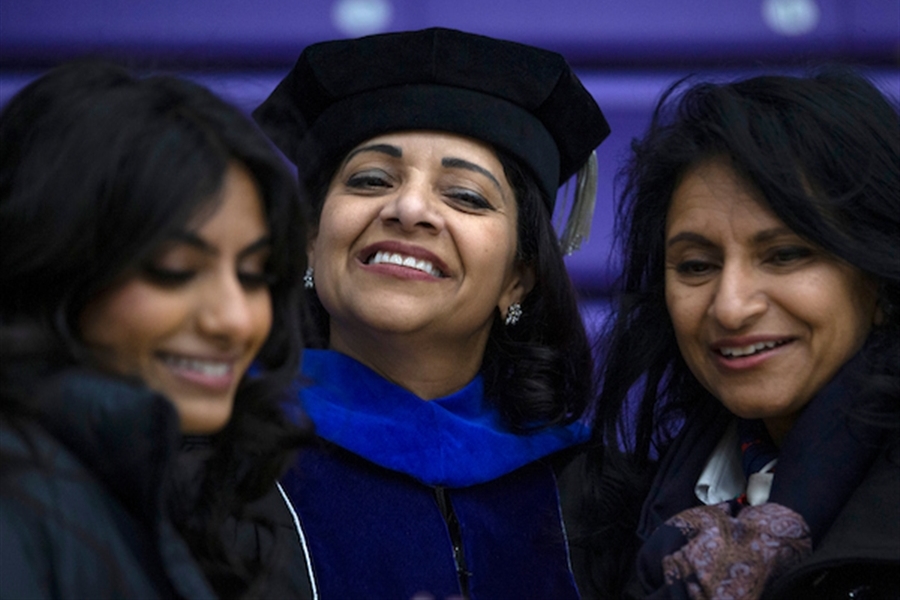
[513,313]
[308,281]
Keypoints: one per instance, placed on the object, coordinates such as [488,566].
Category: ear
[311,237]
[520,283]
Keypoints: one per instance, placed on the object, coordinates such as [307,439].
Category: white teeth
[205,367]
[405,261]
[748,350]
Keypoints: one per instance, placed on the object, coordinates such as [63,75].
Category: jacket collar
[123,432]
[456,441]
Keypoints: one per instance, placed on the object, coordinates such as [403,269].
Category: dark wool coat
[859,554]
[81,501]
[264,537]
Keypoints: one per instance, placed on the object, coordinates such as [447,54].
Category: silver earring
[308,281]
[513,313]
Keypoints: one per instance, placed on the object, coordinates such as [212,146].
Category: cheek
[686,311]
[323,251]
[325,264]
[122,324]
[852,313]
[339,227]
[681,313]
[264,317]
[493,248]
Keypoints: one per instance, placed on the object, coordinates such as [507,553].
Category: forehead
[237,204]
[712,194]
[440,142]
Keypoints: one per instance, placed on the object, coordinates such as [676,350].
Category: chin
[204,422]
[751,410]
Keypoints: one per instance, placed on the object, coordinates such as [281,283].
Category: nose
[229,311]
[740,297]
[415,206]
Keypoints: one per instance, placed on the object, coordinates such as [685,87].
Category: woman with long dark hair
[451,364]
[151,251]
[759,319]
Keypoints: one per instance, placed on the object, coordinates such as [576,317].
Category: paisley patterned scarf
[731,550]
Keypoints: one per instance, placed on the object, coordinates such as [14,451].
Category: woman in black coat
[150,254]
[759,320]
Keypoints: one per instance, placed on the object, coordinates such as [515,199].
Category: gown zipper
[462,572]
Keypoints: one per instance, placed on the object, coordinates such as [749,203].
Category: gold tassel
[578,225]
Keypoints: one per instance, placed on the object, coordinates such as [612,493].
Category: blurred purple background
[626,52]
[591,32]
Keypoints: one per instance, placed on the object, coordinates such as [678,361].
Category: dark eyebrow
[195,241]
[263,243]
[458,163]
[688,236]
[392,151]
[770,234]
[760,238]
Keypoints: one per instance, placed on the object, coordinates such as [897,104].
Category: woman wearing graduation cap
[453,365]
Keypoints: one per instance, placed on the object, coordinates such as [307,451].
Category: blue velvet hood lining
[455,441]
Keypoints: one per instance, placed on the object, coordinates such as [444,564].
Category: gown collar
[454,441]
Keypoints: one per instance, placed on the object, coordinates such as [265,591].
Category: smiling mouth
[393,258]
[207,368]
[749,349]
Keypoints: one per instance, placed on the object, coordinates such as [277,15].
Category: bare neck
[427,367]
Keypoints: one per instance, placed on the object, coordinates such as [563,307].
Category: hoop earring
[513,314]
[308,281]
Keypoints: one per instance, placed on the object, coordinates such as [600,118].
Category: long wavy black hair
[824,153]
[538,372]
[97,169]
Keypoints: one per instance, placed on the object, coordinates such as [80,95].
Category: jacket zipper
[462,573]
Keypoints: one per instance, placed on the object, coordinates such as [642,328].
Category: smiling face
[417,237]
[190,321]
[763,318]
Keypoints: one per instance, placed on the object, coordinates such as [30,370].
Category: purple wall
[588,31]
